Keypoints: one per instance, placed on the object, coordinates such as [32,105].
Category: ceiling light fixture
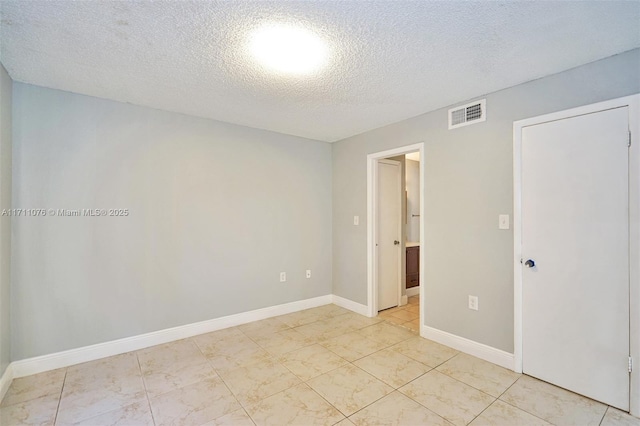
[288,49]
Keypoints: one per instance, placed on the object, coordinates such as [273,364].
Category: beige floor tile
[257,381]
[425,351]
[113,367]
[405,315]
[319,330]
[237,418]
[386,333]
[345,422]
[296,319]
[349,388]
[262,327]
[172,366]
[137,414]
[330,310]
[414,300]
[414,309]
[283,341]
[394,320]
[214,342]
[356,321]
[397,409]
[500,413]
[39,411]
[413,325]
[194,404]
[352,346]
[453,400]
[36,386]
[97,387]
[298,405]
[555,405]
[342,323]
[614,417]
[231,352]
[392,367]
[480,374]
[311,361]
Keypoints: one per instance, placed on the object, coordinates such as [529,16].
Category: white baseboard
[413,291]
[5,381]
[35,365]
[479,350]
[356,307]
[404,300]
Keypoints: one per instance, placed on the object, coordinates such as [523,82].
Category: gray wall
[216,212]
[5,221]
[468,182]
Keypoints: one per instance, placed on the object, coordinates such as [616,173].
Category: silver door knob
[530,263]
[396,242]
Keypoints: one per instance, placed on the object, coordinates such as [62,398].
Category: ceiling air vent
[472,113]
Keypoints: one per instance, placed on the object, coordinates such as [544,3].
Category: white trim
[5,381]
[479,350]
[633,103]
[356,307]
[404,300]
[372,159]
[39,364]
[413,291]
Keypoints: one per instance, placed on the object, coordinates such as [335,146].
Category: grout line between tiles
[55,418]
[144,384]
[515,406]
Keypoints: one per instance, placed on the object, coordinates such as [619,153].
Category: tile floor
[321,366]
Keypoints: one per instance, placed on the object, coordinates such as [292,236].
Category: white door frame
[633,103]
[372,257]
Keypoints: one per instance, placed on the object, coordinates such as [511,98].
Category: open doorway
[395,234]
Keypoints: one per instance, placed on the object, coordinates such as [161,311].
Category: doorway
[574,282]
[374,233]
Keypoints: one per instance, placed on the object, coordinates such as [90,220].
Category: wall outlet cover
[473,302]
[283,277]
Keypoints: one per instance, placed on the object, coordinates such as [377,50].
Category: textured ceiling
[390,60]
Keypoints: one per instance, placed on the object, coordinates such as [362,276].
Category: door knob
[396,242]
[530,263]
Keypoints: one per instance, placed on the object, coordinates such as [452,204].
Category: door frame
[372,221]
[633,103]
[399,230]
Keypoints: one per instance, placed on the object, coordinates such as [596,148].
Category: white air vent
[472,113]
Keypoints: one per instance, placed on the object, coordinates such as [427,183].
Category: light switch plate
[356,220]
[473,302]
[503,221]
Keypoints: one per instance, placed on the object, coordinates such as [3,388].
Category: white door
[575,229]
[388,233]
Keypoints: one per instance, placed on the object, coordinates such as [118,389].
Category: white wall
[468,182]
[216,212]
[5,221]
[413,200]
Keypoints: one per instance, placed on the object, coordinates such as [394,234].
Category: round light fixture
[288,49]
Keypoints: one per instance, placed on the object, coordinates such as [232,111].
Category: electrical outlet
[473,302]
[356,220]
[308,274]
[503,221]
[283,277]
